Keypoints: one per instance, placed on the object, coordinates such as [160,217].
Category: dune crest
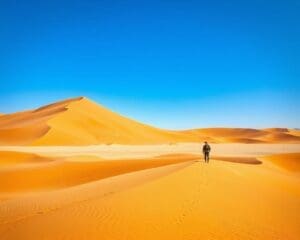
[23,128]
[80,121]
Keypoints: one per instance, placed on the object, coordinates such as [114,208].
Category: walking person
[206,150]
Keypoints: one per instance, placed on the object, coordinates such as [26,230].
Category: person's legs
[207,157]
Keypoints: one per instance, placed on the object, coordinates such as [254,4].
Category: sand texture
[80,121]
[75,170]
[150,194]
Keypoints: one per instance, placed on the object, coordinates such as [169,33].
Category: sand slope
[288,161]
[79,121]
[31,173]
[86,122]
[24,127]
[13,159]
[248,135]
[154,192]
[220,200]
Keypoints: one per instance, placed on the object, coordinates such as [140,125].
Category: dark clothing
[206,157]
[206,150]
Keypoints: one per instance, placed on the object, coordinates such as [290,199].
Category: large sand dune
[150,195]
[80,121]
[75,170]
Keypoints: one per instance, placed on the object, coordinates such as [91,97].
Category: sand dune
[80,121]
[244,135]
[116,151]
[295,132]
[24,127]
[85,172]
[21,206]
[65,172]
[275,137]
[277,130]
[245,160]
[8,158]
[187,200]
[288,161]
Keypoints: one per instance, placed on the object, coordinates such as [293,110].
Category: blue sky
[173,64]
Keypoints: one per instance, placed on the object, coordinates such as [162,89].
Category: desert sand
[80,121]
[76,170]
[79,193]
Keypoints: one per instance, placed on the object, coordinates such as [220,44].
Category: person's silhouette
[206,150]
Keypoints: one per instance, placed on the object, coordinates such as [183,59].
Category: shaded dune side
[24,127]
[20,119]
[281,137]
[287,161]
[245,160]
[232,132]
[232,202]
[86,123]
[23,135]
[233,135]
[295,132]
[13,159]
[248,135]
[242,140]
[66,172]
[277,130]
[79,121]
[19,207]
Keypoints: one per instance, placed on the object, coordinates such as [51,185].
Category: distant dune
[79,121]
[162,196]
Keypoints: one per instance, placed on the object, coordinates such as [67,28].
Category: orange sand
[186,200]
[288,161]
[246,160]
[65,172]
[80,121]
[62,184]
[8,158]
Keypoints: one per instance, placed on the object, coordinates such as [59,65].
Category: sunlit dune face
[84,172]
[80,121]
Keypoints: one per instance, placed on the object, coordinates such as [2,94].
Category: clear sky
[173,64]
